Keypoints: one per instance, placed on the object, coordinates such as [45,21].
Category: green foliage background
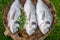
[54,35]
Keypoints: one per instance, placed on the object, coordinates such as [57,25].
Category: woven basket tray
[24,36]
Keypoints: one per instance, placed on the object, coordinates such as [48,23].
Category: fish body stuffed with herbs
[31,21]
[44,16]
[13,15]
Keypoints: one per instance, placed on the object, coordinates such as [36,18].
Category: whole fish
[44,16]
[31,21]
[13,15]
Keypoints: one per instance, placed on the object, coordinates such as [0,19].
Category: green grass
[54,35]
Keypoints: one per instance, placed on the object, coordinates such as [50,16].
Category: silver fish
[31,21]
[13,14]
[44,16]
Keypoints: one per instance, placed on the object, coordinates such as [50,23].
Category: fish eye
[17,22]
[48,22]
[33,23]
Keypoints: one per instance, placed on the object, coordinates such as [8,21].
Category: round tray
[24,36]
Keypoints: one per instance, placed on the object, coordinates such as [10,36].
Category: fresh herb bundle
[22,20]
